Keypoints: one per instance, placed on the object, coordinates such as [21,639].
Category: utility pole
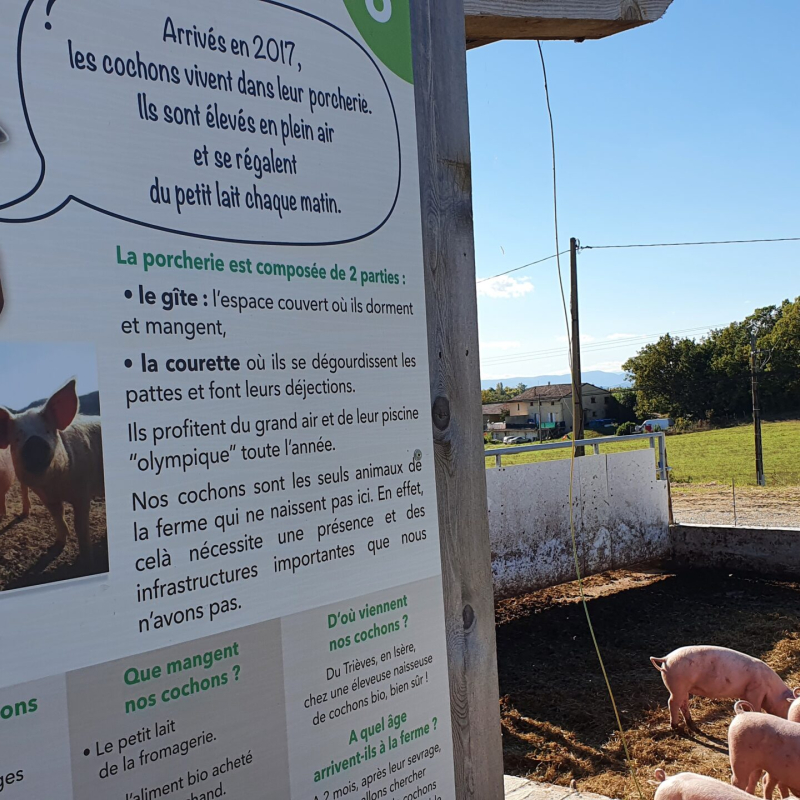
[754,370]
[539,419]
[577,381]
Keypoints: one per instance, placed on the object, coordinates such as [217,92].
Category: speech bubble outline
[73,198]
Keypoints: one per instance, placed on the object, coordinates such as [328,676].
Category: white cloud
[500,345]
[504,287]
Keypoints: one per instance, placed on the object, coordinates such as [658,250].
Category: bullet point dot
[128,294]
[87,751]
[128,363]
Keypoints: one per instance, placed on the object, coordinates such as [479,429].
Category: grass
[715,456]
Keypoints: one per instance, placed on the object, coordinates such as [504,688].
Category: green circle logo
[386,28]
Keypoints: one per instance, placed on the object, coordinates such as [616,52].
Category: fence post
[662,459]
[669,487]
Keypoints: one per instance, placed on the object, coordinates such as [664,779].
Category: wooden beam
[491,20]
[440,78]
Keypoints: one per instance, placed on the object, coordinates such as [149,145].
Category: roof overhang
[489,21]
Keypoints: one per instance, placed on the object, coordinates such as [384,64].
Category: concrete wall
[775,551]
[620,512]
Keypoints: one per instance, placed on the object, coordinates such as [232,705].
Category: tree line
[709,378]
[501,393]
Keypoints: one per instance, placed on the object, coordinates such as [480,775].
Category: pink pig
[7,478]
[719,674]
[764,743]
[690,786]
[794,707]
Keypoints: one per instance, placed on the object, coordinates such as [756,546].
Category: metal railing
[657,442]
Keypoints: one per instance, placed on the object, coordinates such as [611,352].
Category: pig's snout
[36,455]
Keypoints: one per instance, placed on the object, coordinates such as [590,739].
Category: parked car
[515,440]
[654,425]
[602,425]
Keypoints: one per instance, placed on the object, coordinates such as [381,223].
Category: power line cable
[646,244]
[524,266]
[597,346]
[620,728]
[558,252]
[687,244]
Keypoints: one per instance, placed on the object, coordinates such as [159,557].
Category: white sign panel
[219,555]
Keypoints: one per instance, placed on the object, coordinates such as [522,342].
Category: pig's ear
[62,407]
[5,428]
[796,692]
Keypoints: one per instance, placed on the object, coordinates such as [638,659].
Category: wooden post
[577,379]
[446,193]
[754,370]
[539,419]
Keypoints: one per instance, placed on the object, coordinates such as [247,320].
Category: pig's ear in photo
[62,407]
[796,693]
[5,428]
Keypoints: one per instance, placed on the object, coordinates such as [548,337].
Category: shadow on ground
[558,723]
[28,555]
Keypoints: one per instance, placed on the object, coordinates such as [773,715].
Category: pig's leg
[56,510]
[743,779]
[82,529]
[687,715]
[674,711]
[769,786]
[756,699]
[755,777]
[26,500]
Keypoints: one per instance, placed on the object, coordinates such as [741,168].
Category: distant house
[494,412]
[552,406]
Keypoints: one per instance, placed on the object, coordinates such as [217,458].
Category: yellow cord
[624,741]
[576,386]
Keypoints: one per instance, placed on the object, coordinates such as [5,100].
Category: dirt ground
[712,504]
[27,553]
[558,723]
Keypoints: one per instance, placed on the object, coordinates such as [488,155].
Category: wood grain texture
[446,198]
[491,20]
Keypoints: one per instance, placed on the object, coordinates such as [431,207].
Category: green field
[709,456]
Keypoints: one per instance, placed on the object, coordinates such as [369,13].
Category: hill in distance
[605,380]
[89,404]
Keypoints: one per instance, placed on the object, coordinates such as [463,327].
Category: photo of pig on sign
[52,495]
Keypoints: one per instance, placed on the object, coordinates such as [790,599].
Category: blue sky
[686,129]
[32,371]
